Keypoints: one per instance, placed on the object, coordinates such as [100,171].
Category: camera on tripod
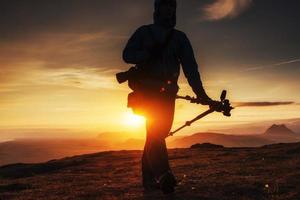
[223,105]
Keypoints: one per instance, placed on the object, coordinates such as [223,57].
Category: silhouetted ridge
[279,129]
[206,146]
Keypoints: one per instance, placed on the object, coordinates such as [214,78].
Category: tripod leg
[200,116]
[188,123]
[173,132]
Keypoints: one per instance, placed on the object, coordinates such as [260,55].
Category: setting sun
[132,120]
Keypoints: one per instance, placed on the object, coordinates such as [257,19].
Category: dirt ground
[270,172]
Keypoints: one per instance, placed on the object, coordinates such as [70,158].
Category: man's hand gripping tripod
[222,106]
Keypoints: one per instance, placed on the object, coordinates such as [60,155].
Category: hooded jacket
[160,50]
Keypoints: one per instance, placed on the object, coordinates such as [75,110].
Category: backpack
[145,88]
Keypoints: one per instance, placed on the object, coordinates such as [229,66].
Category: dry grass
[271,172]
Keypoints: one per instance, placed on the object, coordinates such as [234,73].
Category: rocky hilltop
[279,130]
[262,173]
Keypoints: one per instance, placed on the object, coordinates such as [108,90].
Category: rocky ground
[206,173]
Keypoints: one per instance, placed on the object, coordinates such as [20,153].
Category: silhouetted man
[157,50]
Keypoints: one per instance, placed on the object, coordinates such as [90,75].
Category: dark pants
[159,114]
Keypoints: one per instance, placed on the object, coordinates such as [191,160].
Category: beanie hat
[158,3]
[171,23]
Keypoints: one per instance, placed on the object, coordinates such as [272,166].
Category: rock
[206,146]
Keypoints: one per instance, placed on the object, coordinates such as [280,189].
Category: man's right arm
[133,52]
[190,69]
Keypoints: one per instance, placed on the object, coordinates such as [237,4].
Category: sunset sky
[58,61]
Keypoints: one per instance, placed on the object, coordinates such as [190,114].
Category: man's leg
[156,156]
[159,123]
[149,181]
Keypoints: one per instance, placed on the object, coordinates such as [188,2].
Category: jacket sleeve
[133,52]
[190,67]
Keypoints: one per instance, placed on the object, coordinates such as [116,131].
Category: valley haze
[41,150]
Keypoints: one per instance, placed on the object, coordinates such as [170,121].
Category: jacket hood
[167,23]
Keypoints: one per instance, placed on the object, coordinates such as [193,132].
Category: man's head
[165,13]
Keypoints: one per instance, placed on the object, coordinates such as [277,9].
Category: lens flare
[133,120]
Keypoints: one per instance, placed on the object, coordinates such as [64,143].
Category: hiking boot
[167,183]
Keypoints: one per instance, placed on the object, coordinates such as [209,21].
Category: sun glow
[133,120]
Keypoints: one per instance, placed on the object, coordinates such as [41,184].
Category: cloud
[85,78]
[221,9]
[84,34]
[77,17]
[286,62]
[262,104]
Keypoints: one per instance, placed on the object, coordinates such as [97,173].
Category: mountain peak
[279,129]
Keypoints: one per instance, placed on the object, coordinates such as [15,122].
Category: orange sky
[86,99]
[61,75]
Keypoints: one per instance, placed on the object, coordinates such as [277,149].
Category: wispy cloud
[262,104]
[36,76]
[286,62]
[85,78]
[221,9]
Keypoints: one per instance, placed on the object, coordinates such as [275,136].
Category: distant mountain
[131,144]
[279,130]
[280,133]
[220,139]
[113,138]
[274,134]
[38,150]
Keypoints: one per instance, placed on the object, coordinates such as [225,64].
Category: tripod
[220,106]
